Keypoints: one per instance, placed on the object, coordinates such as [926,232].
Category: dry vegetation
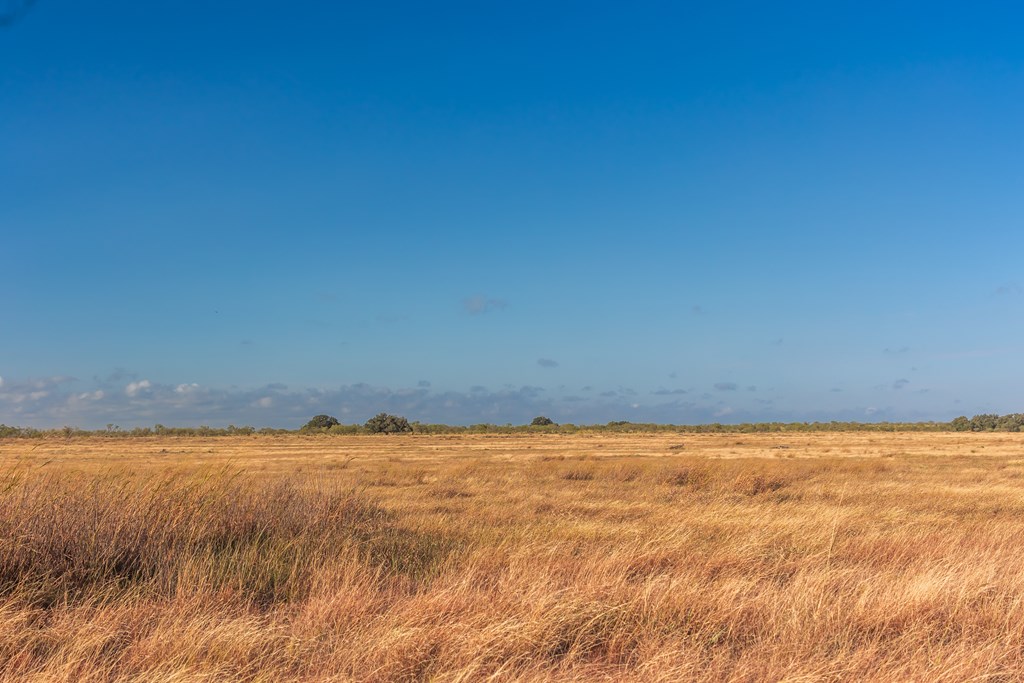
[809,557]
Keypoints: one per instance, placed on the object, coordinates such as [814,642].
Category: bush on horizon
[385,423]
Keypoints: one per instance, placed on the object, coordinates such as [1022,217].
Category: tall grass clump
[72,540]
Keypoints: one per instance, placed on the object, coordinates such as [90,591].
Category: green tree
[961,424]
[541,421]
[1010,423]
[984,423]
[384,423]
[320,423]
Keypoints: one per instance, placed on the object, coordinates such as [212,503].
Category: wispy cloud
[480,304]
[19,396]
[978,353]
[727,386]
[1009,289]
[116,377]
[900,383]
[547,363]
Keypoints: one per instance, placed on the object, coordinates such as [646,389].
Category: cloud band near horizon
[138,402]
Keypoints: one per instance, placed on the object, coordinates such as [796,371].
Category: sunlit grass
[545,558]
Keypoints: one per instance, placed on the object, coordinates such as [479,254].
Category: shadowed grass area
[66,541]
[545,565]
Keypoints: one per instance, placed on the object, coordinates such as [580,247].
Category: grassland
[657,557]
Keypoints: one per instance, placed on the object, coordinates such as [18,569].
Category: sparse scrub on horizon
[386,423]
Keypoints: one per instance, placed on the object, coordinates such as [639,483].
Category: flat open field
[654,557]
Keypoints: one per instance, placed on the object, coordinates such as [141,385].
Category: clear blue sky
[250,212]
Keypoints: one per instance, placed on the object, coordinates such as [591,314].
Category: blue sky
[472,212]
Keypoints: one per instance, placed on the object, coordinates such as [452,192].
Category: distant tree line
[376,425]
[989,423]
[156,430]
[385,423]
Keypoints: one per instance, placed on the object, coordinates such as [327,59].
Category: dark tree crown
[321,422]
[383,423]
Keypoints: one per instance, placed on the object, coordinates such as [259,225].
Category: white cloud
[1,381]
[185,388]
[265,402]
[91,395]
[134,388]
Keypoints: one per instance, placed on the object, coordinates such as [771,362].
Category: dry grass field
[660,557]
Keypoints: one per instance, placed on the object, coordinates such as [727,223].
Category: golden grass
[659,557]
